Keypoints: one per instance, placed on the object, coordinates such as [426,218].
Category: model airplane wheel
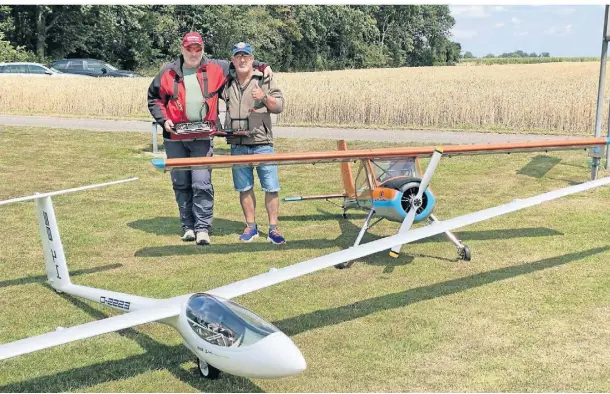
[464,253]
[341,266]
[207,371]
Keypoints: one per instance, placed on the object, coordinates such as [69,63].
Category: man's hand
[258,93]
[169,126]
[268,73]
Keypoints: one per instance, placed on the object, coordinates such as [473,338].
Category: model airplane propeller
[223,335]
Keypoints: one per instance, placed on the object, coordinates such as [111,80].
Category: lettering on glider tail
[50,236]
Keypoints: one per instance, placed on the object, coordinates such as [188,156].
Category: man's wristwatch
[264,99]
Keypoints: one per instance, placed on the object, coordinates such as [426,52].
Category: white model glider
[222,334]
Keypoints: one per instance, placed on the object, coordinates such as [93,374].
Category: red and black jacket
[167,94]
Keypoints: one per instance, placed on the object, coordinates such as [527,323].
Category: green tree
[299,38]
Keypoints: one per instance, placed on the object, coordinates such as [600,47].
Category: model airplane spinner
[223,335]
[388,181]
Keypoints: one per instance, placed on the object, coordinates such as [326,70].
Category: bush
[8,53]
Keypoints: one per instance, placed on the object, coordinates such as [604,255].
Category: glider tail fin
[55,260]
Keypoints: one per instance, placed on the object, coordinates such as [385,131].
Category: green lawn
[531,311]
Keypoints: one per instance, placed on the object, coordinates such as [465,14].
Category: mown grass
[529,313]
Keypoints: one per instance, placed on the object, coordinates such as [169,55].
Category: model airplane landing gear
[464,253]
[363,230]
[463,250]
[207,371]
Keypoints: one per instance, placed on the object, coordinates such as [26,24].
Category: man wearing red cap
[187,91]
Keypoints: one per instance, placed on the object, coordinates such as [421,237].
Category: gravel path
[399,136]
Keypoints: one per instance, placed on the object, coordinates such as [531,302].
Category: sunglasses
[194,48]
[242,56]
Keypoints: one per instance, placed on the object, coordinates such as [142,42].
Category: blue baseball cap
[242,47]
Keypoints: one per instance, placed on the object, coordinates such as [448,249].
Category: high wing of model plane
[223,335]
[388,181]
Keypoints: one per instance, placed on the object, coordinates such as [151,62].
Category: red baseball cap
[192,38]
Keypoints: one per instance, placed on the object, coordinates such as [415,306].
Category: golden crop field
[552,97]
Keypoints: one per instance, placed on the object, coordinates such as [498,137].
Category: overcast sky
[561,30]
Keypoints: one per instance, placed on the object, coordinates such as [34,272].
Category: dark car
[92,67]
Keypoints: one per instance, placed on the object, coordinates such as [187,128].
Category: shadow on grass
[347,235]
[260,245]
[170,225]
[156,356]
[160,356]
[43,278]
[166,225]
[390,263]
[487,235]
[323,318]
[539,166]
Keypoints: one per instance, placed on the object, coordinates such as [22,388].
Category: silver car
[31,70]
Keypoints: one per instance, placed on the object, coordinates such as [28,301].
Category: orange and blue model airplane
[389,183]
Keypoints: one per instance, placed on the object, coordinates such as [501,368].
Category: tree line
[290,37]
[518,53]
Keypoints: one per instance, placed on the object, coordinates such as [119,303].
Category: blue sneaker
[275,237]
[249,234]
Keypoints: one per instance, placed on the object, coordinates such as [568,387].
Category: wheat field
[556,98]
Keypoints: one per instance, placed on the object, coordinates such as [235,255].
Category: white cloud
[461,34]
[515,21]
[558,31]
[471,11]
[499,24]
[498,8]
[521,33]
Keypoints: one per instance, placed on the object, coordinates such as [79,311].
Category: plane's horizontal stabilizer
[65,191]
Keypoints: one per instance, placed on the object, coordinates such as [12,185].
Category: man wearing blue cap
[186,91]
[251,97]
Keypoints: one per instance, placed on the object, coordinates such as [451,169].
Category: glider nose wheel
[207,371]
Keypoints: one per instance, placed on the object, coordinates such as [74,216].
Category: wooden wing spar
[372,154]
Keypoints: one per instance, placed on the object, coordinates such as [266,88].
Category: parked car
[91,67]
[30,70]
